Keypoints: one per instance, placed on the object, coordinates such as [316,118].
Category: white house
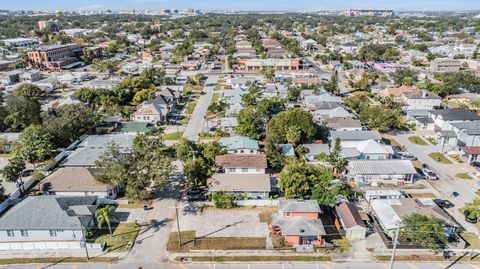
[421,99]
[373,172]
[442,118]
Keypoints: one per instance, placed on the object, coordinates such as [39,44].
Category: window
[287,214]
[251,151]
[231,170]
[24,233]
[241,151]
[53,233]
[10,233]
[244,170]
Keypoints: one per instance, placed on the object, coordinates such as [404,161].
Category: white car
[429,174]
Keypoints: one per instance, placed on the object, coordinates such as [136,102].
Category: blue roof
[287,149]
[238,142]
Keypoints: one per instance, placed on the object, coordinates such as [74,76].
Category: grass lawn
[122,234]
[135,204]
[438,157]
[463,176]
[173,136]
[422,195]
[191,242]
[390,141]
[55,260]
[190,107]
[261,259]
[471,239]
[417,140]
[266,214]
[215,97]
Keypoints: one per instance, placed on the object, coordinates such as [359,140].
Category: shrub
[223,200]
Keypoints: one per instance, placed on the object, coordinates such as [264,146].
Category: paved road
[197,119]
[447,182]
[149,248]
[326,265]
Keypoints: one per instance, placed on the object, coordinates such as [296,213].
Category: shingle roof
[73,179]
[381,167]
[469,127]
[299,206]
[355,135]
[299,226]
[240,182]
[349,215]
[257,161]
[455,114]
[47,212]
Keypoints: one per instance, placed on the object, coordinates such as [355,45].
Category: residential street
[326,265]
[447,182]
[149,248]
[197,119]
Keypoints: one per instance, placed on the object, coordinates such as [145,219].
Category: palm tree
[104,215]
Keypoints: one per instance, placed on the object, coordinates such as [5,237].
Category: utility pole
[84,240]
[395,242]
[178,227]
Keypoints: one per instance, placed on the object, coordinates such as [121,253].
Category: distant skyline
[249,5]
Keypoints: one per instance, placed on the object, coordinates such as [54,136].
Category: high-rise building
[50,25]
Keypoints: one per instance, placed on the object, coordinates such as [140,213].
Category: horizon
[246,5]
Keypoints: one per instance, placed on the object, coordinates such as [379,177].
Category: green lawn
[471,239]
[438,157]
[173,136]
[463,176]
[283,258]
[422,195]
[191,242]
[190,107]
[417,140]
[122,234]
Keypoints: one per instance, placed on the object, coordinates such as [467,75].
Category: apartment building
[55,57]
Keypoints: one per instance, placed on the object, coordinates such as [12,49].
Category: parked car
[196,195]
[468,218]
[444,203]
[429,174]
[476,164]
[406,156]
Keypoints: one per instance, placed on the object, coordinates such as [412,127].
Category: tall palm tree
[104,216]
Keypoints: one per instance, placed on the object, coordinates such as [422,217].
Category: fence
[46,245]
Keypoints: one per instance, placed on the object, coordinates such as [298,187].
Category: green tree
[22,111]
[251,123]
[297,179]
[426,231]
[104,216]
[223,200]
[404,77]
[269,73]
[186,149]
[34,145]
[29,91]
[473,209]
[335,158]
[196,171]
[298,119]
[11,172]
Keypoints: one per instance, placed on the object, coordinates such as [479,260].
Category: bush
[223,200]
[38,176]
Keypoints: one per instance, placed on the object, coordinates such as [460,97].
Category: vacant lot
[240,222]
[189,241]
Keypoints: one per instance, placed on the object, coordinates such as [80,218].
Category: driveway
[447,182]
[197,119]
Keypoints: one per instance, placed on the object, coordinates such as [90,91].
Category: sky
[250,5]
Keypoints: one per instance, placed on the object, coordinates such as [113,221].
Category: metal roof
[381,167]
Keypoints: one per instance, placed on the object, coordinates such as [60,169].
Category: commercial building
[55,57]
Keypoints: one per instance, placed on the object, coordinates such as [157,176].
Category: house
[389,213]
[314,150]
[373,172]
[350,220]
[150,112]
[325,110]
[67,100]
[241,174]
[421,99]
[298,221]
[86,152]
[48,222]
[442,118]
[228,124]
[464,134]
[445,65]
[368,150]
[343,124]
[350,139]
[76,181]
[239,145]
[370,195]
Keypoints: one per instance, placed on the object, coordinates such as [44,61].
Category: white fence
[46,245]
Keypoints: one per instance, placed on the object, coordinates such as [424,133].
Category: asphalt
[197,119]
[325,265]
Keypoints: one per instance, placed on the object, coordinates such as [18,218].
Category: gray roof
[299,206]
[240,182]
[287,149]
[315,149]
[469,127]
[381,167]
[355,135]
[49,212]
[455,114]
[299,225]
[90,149]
